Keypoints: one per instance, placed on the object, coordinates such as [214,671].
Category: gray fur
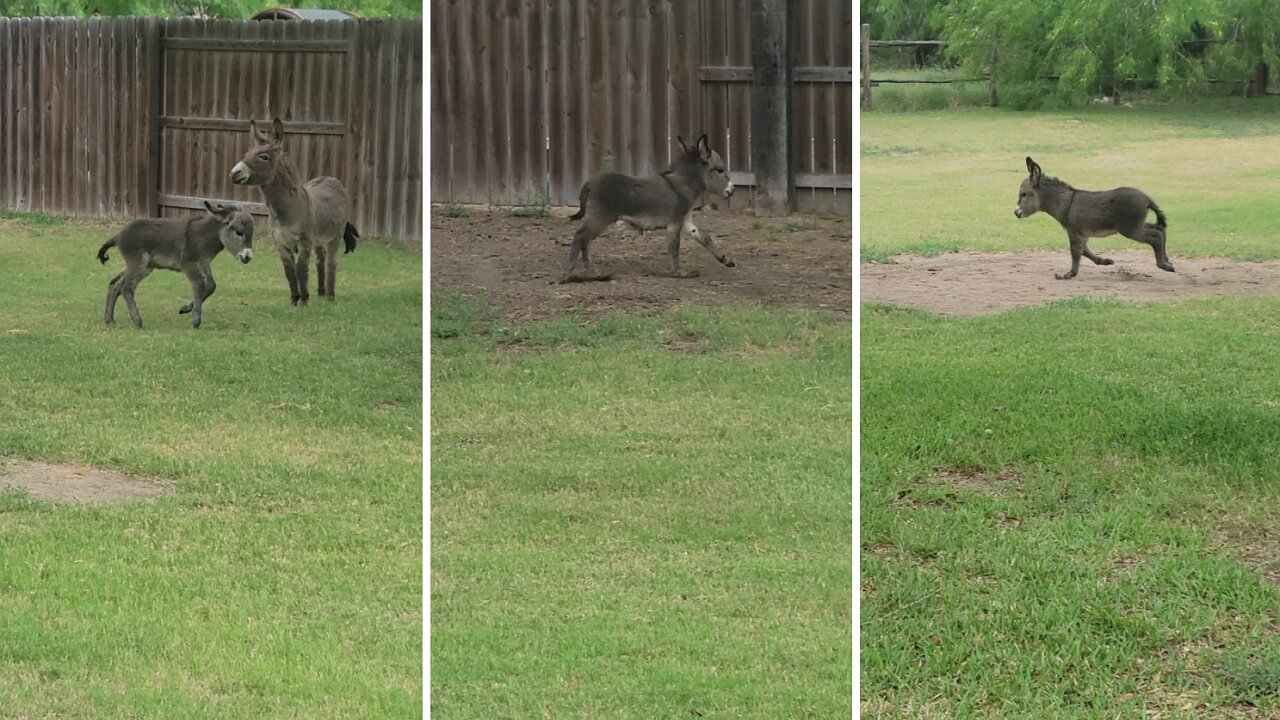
[307,216]
[666,200]
[187,246]
[1085,214]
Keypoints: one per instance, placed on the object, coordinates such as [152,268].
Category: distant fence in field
[531,97]
[144,117]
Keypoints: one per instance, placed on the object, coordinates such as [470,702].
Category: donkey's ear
[218,211]
[1034,169]
[277,130]
[255,132]
[704,148]
[683,146]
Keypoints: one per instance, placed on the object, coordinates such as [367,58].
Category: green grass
[454,210]
[952,177]
[640,517]
[281,577]
[1067,511]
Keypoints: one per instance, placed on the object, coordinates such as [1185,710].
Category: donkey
[664,201]
[306,216]
[187,246]
[1085,214]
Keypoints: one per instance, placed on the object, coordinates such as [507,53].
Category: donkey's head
[1029,192]
[700,161]
[236,228]
[261,163]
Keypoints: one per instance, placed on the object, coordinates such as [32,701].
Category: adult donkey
[1085,214]
[311,215]
[664,201]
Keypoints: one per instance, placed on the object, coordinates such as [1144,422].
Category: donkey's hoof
[728,262]
[1168,267]
[184,309]
[686,274]
[1064,276]
[1106,261]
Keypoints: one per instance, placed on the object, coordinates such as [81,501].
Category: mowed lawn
[1068,511]
[281,575]
[640,517]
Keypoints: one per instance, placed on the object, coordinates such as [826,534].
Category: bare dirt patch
[972,283]
[75,483]
[799,261]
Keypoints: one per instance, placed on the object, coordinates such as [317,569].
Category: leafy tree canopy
[1090,47]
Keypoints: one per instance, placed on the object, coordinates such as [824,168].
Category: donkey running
[665,201]
[306,216]
[1085,214]
[184,245]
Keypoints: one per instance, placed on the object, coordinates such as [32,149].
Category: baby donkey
[186,245]
[1085,214]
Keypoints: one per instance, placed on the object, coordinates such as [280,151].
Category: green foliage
[1092,48]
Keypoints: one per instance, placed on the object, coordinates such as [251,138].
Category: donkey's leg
[707,242]
[195,274]
[1097,259]
[1151,235]
[207,286]
[1077,249]
[330,269]
[321,254]
[113,294]
[1157,238]
[128,284]
[586,232]
[673,249]
[286,259]
[300,270]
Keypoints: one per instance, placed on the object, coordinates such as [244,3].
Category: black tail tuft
[102,251]
[582,205]
[1161,221]
[349,237]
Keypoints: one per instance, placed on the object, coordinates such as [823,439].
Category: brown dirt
[971,283]
[802,260]
[75,483]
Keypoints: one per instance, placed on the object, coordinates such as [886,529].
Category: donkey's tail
[102,251]
[349,237]
[582,204]
[1161,221]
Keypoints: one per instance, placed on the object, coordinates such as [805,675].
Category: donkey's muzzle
[245,256]
[240,174]
[1017,212]
[728,190]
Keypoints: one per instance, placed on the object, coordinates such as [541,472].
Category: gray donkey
[187,246]
[1085,214]
[307,216]
[664,201]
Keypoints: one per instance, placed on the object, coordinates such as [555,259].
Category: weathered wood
[745,74]
[903,43]
[197,203]
[257,46]
[771,107]
[866,65]
[802,180]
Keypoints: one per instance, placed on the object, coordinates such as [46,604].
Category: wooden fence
[531,97]
[144,117]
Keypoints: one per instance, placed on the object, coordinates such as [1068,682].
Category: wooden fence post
[866,66]
[771,108]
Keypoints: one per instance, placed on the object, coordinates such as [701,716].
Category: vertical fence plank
[534,122]
[441,101]
[737,149]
